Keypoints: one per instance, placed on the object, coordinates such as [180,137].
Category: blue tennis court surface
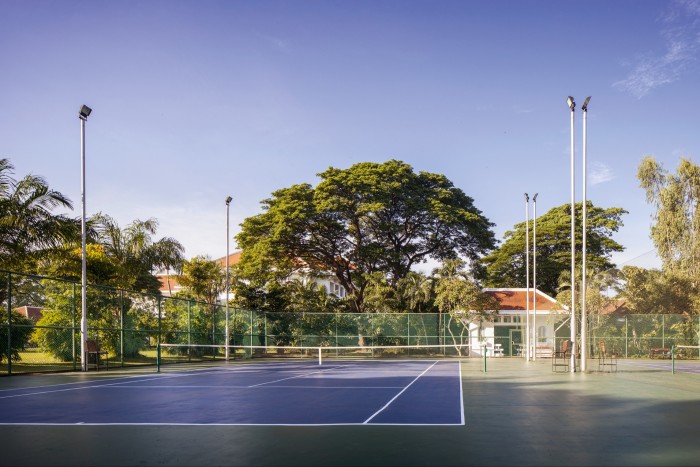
[418,392]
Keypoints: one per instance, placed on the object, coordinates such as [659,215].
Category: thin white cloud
[278,44]
[600,173]
[681,34]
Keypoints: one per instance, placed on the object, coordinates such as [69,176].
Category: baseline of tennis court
[338,393]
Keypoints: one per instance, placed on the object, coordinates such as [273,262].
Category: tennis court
[422,412]
[352,392]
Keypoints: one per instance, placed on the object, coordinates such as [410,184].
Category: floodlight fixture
[228,200]
[584,107]
[571,103]
[84,112]
[527,198]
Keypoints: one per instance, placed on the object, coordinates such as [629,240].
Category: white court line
[252,368]
[401,392]
[248,387]
[297,376]
[120,381]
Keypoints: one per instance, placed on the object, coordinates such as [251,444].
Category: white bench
[497,350]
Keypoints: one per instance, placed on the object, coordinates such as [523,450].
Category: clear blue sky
[193,101]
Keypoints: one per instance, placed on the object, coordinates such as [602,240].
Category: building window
[542,334]
[337,290]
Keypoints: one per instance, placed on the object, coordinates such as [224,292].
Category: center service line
[396,396]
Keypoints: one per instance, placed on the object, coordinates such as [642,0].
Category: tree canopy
[650,291]
[372,217]
[505,267]
[676,227]
[203,279]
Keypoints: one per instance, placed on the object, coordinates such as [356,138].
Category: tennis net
[679,352]
[685,351]
[186,353]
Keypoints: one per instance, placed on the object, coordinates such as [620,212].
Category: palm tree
[417,291]
[28,228]
[135,253]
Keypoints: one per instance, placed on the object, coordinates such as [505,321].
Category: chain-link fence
[41,317]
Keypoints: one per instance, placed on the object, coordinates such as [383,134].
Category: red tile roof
[617,306]
[516,299]
[31,312]
[233,258]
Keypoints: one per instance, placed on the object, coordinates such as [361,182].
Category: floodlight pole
[527,277]
[534,271]
[83,115]
[572,106]
[228,202]
[584,319]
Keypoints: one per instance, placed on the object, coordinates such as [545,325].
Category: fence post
[189,330]
[9,323]
[160,317]
[663,330]
[121,327]
[626,337]
[72,334]
[408,330]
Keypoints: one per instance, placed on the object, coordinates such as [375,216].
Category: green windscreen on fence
[40,327]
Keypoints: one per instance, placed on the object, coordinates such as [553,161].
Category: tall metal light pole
[228,202]
[83,115]
[584,319]
[572,106]
[527,277]
[534,268]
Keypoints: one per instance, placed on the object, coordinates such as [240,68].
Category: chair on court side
[561,359]
[606,360]
[94,354]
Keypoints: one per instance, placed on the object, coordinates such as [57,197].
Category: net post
[673,359]
[320,361]
[158,357]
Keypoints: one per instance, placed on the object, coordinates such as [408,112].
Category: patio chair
[606,360]
[561,359]
[94,354]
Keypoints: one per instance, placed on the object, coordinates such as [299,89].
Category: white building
[170,284]
[506,334]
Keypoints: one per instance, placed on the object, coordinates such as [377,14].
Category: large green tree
[203,279]
[505,267]
[371,217]
[650,291]
[676,227]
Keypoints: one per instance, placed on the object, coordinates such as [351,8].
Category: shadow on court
[516,414]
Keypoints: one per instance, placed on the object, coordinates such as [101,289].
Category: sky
[194,101]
